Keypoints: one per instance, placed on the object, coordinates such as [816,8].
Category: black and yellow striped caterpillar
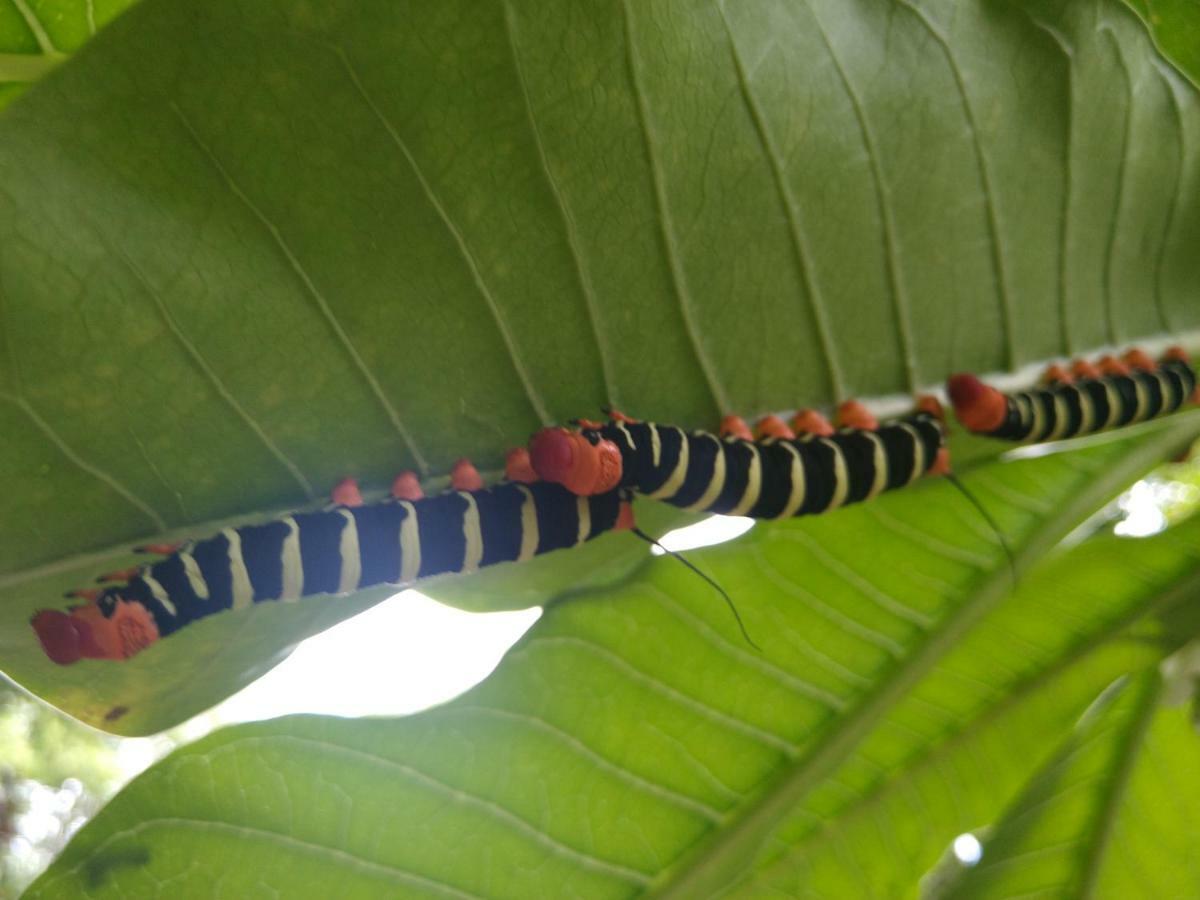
[1085,400]
[781,474]
[351,546]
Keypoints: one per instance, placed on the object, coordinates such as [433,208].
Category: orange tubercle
[465,477]
[159,549]
[1139,360]
[120,576]
[1081,368]
[517,466]
[941,463]
[853,414]
[1110,365]
[407,486]
[1175,354]
[625,519]
[773,426]
[617,416]
[346,493]
[1057,374]
[931,406]
[809,421]
[978,406]
[735,426]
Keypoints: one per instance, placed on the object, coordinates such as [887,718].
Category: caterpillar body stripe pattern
[1116,394]
[769,478]
[333,551]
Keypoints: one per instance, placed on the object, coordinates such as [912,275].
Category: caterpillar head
[978,406]
[573,460]
[87,633]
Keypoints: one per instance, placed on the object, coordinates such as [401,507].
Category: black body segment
[774,477]
[1090,405]
[343,549]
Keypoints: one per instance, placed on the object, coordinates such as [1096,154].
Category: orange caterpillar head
[978,406]
[568,458]
[86,633]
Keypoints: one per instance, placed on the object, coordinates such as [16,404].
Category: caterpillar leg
[160,549]
[853,414]
[773,426]
[1138,360]
[517,466]
[616,415]
[809,421]
[1056,374]
[1110,365]
[346,493]
[406,486]
[736,427]
[465,477]
[120,576]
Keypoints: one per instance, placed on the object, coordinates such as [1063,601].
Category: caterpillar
[401,540]
[774,473]
[1086,399]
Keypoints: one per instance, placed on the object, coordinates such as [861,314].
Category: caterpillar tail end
[568,458]
[979,407]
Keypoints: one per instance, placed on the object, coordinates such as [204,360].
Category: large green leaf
[633,742]
[247,249]
[1107,815]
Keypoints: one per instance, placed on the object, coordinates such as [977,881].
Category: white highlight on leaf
[713,530]
[967,849]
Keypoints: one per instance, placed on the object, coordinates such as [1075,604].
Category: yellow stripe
[841,478]
[1039,419]
[881,466]
[529,525]
[243,592]
[655,445]
[1143,401]
[159,593]
[717,483]
[351,569]
[583,507]
[753,483]
[796,497]
[1061,417]
[410,545]
[1114,402]
[194,576]
[293,570]
[473,535]
[628,437]
[1087,411]
[920,463]
[672,485]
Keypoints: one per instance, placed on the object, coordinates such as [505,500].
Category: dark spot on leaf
[115,713]
[99,867]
